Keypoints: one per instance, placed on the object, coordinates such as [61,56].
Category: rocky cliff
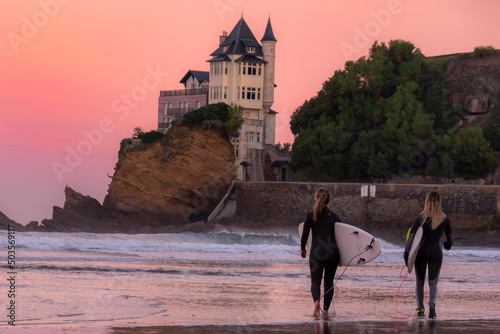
[473,81]
[171,185]
[176,181]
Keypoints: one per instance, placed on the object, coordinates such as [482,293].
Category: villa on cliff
[241,73]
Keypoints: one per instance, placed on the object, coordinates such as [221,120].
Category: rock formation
[473,82]
[176,181]
[6,221]
[171,185]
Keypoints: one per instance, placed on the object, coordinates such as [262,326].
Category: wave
[188,241]
[190,246]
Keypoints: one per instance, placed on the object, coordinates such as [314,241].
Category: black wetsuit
[429,255]
[324,252]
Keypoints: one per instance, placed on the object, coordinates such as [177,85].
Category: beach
[232,282]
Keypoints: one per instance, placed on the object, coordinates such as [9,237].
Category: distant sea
[224,283]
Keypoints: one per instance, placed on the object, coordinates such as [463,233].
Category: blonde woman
[430,255]
[324,250]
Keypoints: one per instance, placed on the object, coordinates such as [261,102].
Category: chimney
[223,37]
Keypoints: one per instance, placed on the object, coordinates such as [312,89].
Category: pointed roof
[237,42]
[268,34]
[201,76]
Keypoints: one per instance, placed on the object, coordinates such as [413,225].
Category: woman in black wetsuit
[434,222]
[324,250]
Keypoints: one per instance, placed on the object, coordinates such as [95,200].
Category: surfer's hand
[303,254]
[447,245]
[406,258]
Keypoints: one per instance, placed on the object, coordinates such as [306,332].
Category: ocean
[226,282]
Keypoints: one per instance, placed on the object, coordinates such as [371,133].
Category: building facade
[173,104]
[241,73]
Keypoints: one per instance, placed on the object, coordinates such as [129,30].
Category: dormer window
[224,49]
[250,49]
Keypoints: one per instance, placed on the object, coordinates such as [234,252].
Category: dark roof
[272,112]
[250,59]
[199,75]
[220,58]
[238,40]
[268,34]
[279,163]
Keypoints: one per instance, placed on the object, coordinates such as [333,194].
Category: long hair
[432,209]
[322,196]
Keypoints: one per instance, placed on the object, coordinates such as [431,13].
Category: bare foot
[316,309]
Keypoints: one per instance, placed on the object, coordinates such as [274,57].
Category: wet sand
[468,302]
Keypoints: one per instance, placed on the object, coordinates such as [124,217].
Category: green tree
[470,152]
[234,120]
[150,137]
[492,134]
[137,132]
[377,117]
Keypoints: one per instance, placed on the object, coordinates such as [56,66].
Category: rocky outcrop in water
[169,186]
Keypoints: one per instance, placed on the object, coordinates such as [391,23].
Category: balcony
[175,111]
[194,91]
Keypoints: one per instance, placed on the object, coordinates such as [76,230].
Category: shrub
[218,116]
[483,51]
[150,137]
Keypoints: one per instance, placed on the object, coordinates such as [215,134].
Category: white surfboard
[415,246]
[356,246]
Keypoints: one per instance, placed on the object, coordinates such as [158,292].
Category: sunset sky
[77,76]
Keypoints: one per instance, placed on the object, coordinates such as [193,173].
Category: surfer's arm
[305,234]
[449,236]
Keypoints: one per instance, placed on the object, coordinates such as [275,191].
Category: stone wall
[370,206]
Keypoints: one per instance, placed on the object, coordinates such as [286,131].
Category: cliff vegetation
[397,113]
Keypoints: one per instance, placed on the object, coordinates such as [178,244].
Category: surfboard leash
[403,276]
[367,248]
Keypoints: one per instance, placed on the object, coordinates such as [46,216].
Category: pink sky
[67,68]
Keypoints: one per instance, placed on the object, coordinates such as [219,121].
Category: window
[250,136]
[251,49]
[260,69]
[224,48]
[237,153]
[252,69]
[258,136]
[226,65]
[198,104]
[250,93]
[225,92]
[166,108]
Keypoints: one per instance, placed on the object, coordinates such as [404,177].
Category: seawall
[387,209]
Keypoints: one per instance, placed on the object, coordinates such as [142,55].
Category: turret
[269,51]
